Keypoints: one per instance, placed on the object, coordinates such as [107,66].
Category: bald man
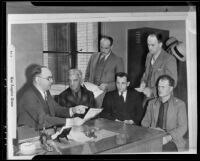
[103,66]
[37,109]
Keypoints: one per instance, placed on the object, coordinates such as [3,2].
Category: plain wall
[119,31]
[27,39]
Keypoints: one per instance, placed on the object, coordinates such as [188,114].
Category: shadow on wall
[27,83]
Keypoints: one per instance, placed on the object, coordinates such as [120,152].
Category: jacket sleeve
[146,121]
[145,74]
[92,103]
[35,112]
[87,72]
[138,110]
[107,108]
[171,68]
[181,127]
[119,68]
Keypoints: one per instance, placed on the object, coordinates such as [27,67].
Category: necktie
[160,116]
[46,101]
[153,60]
[45,96]
[102,58]
[121,97]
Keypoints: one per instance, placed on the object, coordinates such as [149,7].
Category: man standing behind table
[169,114]
[123,104]
[76,95]
[158,62]
[103,66]
[37,108]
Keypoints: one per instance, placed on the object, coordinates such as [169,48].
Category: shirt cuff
[71,112]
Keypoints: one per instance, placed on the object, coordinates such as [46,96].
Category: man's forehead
[163,82]
[46,72]
[122,79]
[105,41]
[74,76]
[152,38]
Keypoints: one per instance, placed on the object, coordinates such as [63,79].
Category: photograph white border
[191,56]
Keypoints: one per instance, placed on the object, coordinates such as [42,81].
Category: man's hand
[103,86]
[142,85]
[118,120]
[77,121]
[166,139]
[147,91]
[129,122]
[80,109]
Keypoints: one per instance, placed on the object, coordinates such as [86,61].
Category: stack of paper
[92,113]
[94,88]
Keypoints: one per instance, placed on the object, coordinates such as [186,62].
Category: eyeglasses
[48,78]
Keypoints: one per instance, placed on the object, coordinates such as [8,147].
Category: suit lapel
[170,112]
[159,61]
[156,110]
[51,110]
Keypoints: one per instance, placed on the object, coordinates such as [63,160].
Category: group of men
[38,109]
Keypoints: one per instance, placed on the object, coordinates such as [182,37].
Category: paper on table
[78,136]
[94,88]
[92,113]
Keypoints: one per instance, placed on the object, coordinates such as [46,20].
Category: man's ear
[161,44]
[128,83]
[171,88]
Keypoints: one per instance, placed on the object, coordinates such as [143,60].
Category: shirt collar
[106,57]
[124,94]
[41,91]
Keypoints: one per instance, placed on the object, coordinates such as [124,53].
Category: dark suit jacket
[67,99]
[130,110]
[31,110]
[114,64]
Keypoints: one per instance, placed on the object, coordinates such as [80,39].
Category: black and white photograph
[95,80]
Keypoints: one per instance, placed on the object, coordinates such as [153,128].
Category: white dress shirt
[124,95]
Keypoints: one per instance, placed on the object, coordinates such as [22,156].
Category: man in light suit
[103,66]
[120,104]
[158,62]
[167,113]
[37,109]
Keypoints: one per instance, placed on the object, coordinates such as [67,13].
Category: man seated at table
[120,104]
[76,95]
[37,109]
[169,114]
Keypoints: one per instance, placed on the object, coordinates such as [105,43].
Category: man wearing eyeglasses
[37,108]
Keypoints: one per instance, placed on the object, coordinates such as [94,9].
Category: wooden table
[129,139]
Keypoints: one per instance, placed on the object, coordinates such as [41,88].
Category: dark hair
[166,77]
[158,35]
[36,71]
[121,74]
[108,38]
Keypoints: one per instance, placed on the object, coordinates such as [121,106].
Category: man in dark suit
[76,95]
[120,104]
[103,66]
[37,108]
